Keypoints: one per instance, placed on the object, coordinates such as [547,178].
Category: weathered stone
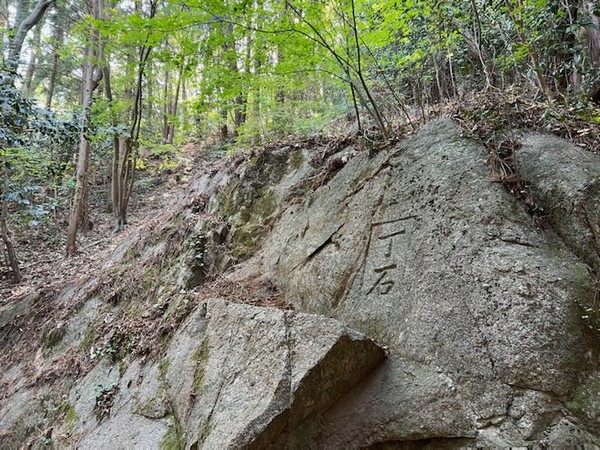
[568,435]
[420,250]
[185,353]
[138,416]
[565,180]
[20,418]
[82,398]
[264,371]
[10,312]
[234,376]
[127,431]
[416,248]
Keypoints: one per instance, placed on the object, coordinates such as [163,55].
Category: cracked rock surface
[267,370]
[565,180]
[429,311]
[420,250]
[240,376]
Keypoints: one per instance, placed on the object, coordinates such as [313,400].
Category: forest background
[93,92]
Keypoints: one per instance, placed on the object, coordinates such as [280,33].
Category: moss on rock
[173,438]
[586,400]
[296,159]
[200,357]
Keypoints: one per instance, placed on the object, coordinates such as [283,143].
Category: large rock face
[262,372]
[489,322]
[566,180]
[234,376]
[418,249]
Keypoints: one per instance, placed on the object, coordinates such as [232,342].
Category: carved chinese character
[383,285]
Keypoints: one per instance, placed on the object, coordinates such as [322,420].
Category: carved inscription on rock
[388,243]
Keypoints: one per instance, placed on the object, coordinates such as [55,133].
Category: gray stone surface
[263,371]
[10,312]
[82,398]
[565,180]
[126,431]
[234,376]
[420,250]
[478,309]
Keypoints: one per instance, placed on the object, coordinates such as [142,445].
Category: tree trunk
[150,97]
[22,10]
[593,41]
[473,42]
[120,175]
[124,159]
[534,56]
[184,112]
[173,115]
[29,73]
[224,129]
[79,205]
[124,147]
[4,25]
[539,73]
[240,111]
[379,118]
[35,56]
[16,44]
[10,249]
[166,108]
[92,76]
[58,37]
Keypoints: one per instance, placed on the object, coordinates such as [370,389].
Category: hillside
[299,224]
[328,293]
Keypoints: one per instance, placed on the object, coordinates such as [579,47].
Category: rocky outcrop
[565,179]
[489,321]
[234,376]
[264,371]
[418,249]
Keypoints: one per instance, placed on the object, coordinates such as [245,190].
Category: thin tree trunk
[4,25]
[240,111]
[125,176]
[58,37]
[474,45]
[92,76]
[224,129]
[35,55]
[184,112]
[539,73]
[365,97]
[79,205]
[115,159]
[438,82]
[354,103]
[120,153]
[593,41]
[533,54]
[150,97]
[16,44]
[120,184]
[22,10]
[29,73]
[166,109]
[120,170]
[378,116]
[10,249]
[241,101]
[171,136]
